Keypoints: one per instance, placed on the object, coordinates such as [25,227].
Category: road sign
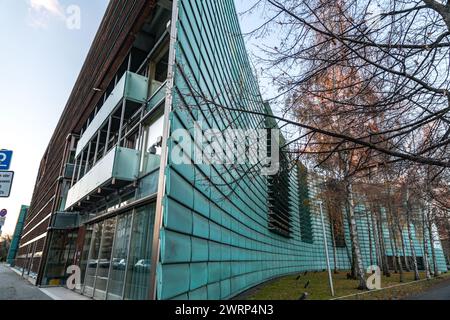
[5,159]
[6,180]
[3,213]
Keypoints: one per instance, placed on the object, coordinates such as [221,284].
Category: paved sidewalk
[61,293]
[439,292]
[14,287]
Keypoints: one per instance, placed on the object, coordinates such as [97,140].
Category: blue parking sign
[5,159]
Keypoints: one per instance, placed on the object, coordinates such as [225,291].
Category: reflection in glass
[151,152]
[119,257]
[104,258]
[91,265]
[138,272]
[60,255]
[85,253]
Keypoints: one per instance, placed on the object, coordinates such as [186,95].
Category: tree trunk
[413,250]
[391,227]
[376,240]
[354,238]
[354,271]
[398,258]
[405,256]
[394,253]
[386,271]
[351,254]
[425,247]
[369,233]
[433,251]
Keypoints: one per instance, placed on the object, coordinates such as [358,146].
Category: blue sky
[40,59]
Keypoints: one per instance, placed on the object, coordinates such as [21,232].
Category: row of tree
[363,89]
[396,217]
[363,98]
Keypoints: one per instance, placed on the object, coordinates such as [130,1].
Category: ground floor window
[61,254]
[138,277]
[120,256]
[118,263]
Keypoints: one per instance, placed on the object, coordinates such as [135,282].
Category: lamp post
[330,278]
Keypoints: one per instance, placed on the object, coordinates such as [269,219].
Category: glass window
[91,265]
[60,256]
[104,258]
[150,159]
[148,185]
[119,257]
[155,130]
[138,272]
[85,253]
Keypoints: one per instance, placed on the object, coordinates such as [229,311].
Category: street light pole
[330,278]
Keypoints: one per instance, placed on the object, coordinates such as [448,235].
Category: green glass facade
[139,224]
[16,236]
[215,237]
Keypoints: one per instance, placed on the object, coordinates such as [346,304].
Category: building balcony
[65,220]
[158,94]
[131,87]
[119,166]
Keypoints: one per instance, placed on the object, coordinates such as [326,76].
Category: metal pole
[96,146]
[73,173]
[81,165]
[122,116]
[87,158]
[330,278]
[108,132]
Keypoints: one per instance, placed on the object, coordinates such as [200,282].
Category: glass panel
[60,256]
[119,258]
[138,274]
[154,132]
[148,185]
[150,154]
[85,253]
[91,266]
[104,258]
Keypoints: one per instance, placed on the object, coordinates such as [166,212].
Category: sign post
[5,159]
[6,180]
[3,214]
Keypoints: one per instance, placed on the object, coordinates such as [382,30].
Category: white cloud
[52,6]
[42,11]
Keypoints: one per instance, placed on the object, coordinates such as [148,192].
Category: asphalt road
[14,287]
[438,292]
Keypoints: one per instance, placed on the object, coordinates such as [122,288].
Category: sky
[41,54]
[44,44]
